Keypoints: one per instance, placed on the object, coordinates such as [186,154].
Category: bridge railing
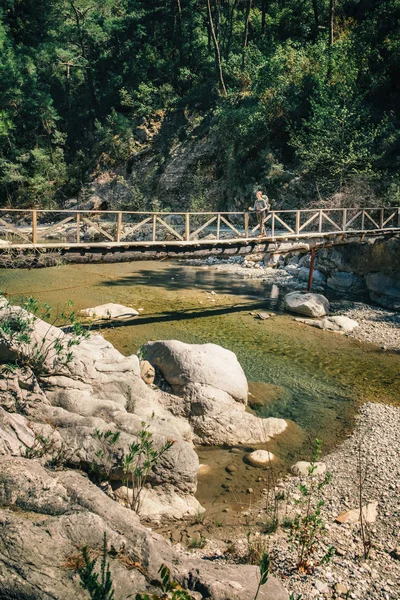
[20,227]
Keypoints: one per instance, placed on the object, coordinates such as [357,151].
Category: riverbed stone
[110,312]
[302,466]
[308,304]
[339,324]
[369,511]
[260,458]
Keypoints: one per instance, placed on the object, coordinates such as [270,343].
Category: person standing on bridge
[261,208]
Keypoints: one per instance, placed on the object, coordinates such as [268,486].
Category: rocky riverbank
[376,325]
[373,448]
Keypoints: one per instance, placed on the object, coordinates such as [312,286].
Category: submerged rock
[339,324]
[260,458]
[110,311]
[308,304]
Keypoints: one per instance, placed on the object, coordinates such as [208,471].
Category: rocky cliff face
[372,267]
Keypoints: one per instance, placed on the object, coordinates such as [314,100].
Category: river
[316,379]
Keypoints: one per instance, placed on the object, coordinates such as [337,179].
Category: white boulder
[308,304]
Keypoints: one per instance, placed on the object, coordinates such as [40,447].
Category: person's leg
[261,222]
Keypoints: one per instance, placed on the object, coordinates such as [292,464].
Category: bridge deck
[109,230]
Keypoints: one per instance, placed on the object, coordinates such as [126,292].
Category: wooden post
[381,218]
[362,220]
[311,272]
[154,227]
[272,224]
[218,225]
[398,217]
[344,219]
[297,221]
[320,222]
[34,227]
[187,227]
[246,224]
[119,226]
[78,228]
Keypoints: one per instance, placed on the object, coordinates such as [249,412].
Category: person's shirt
[261,204]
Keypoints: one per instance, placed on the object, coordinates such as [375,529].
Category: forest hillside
[191,104]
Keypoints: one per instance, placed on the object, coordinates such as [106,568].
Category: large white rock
[206,364]
[308,304]
[260,458]
[213,391]
[110,311]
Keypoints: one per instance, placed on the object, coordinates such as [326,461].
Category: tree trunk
[230,31]
[246,31]
[217,51]
[316,17]
[263,17]
[332,21]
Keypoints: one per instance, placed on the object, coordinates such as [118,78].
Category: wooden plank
[324,216]
[353,218]
[78,228]
[202,227]
[119,227]
[15,230]
[283,223]
[170,229]
[230,225]
[372,220]
[187,227]
[98,228]
[139,225]
[308,221]
[297,221]
[391,217]
[34,227]
[43,233]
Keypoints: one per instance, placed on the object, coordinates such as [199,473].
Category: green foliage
[106,453]
[170,589]
[98,585]
[264,572]
[72,98]
[48,352]
[308,526]
[137,464]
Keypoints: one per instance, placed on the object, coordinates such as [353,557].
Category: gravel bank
[376,439]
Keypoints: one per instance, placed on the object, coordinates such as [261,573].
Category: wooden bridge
[110,231]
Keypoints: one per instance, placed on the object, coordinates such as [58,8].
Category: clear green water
[324,376]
